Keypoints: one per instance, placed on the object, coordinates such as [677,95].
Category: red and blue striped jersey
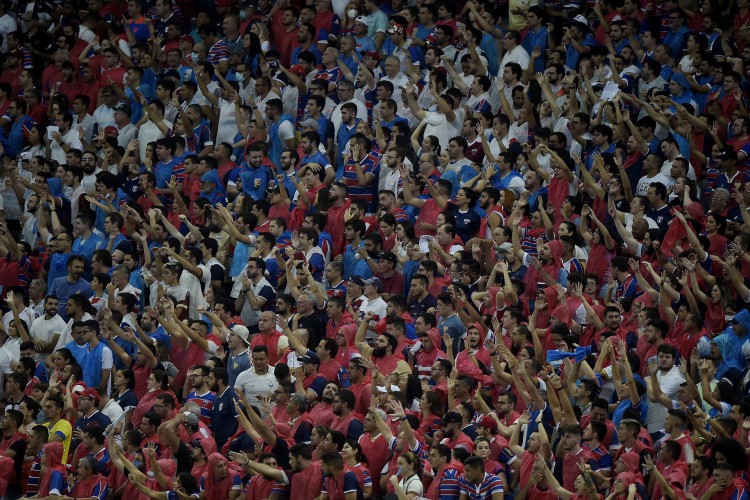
[32,483]
[206,403]
[105,464]
[449,484]
[370,165]
[489,485]
[219,52]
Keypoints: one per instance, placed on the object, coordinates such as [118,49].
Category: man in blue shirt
[254,174]
[309,143]
[581,41]
[19,129]
[71,284]
[167,165]
[88,402]
[676,37]
[535,35]
[223,415]
[87,242]
[449,322]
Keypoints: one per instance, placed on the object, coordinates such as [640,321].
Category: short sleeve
[350,482]
[286,130]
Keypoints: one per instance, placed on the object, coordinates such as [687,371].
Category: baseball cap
[191,418]
[310,357]
[452,417]
[389,256]
[488,422]
[111,130]
[505,247]
[125,108]
[580,20]
[363,20]
[241,331]
[371,53]
[297,69]
[376,283]
[395,29]
[187,38]
[308,123]
[357,280]
[91,393]
[727,154]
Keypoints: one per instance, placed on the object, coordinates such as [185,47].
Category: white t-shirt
[227,128]
[149,132]
[645,181]
[256,386]
[28,315]
[44,329]
[398,81]
[71,139]
[517,55]
[439,126]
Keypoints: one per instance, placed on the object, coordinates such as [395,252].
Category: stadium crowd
[345,250]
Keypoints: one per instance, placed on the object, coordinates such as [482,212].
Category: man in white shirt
[259,381]
[394,75]
[104,115]
[514,52]
[345,91]
[46,329]
[62,141]
[126,131]
[8,24]
[150,131]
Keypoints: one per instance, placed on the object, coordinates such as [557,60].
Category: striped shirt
[449,484]
[219,52]
[330,75]
[490,484]
[32,483]
[206,403]
[203,133]
[105,464]
[370,165]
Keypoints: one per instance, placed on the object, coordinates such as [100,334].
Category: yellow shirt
[63,429]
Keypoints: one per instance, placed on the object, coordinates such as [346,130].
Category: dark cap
[388,256]
[357,280]
[376,283]
[727,154]
[452,417]
[125,108]
[310,357]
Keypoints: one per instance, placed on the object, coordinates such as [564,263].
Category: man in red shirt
[393,281]
[113,72]
[375,449]
[574,453]
[454,436]
[284,29]
[326,351]
[269,336]
[338,194]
